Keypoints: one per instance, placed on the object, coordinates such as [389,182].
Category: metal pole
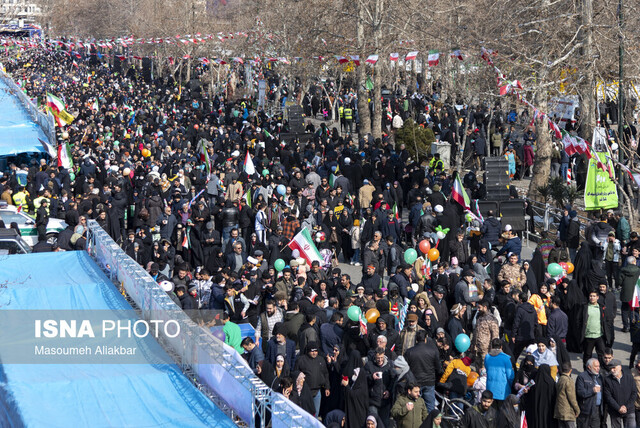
[620,80]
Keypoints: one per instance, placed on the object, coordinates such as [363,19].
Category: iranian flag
[635,300]
[355,59]
[64,156]
[457,54]
[411,56]
[395,211]
[394,57]
[204,156]
[341,59]
[304,244]
[249,168]
[458,193]
[57,108]
[434,58]
[372,59]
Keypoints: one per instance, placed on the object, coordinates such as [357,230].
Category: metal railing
[547,217]
[213,363]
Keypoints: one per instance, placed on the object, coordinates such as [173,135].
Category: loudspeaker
[512,212]
[147,69]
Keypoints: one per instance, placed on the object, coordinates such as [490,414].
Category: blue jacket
[513,245]
[499,374]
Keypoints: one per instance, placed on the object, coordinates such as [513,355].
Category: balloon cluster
[559,270]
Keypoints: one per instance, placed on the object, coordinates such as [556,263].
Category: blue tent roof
[18,133]
[88,395]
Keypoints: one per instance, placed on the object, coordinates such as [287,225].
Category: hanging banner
[599,191]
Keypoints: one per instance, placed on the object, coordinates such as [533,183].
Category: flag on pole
[396,215]
[48,148]
[247,197]
[95,106]
[304,244]
[363,325]
[64,156]
[355,59]
[249,168]
[57,108]
[434,58]
[204,156]
[332,179]
[459,195]
[411,56]
[341,59]
[394,57]
[75,64]
[372,59]
[457,54]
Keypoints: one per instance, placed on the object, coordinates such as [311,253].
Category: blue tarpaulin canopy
[88,395]
[18,132]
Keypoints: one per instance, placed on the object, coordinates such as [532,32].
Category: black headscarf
[509,417]
[571,304]
[428,423]
[561,351]
[356,393]
[582,267]
[544,400]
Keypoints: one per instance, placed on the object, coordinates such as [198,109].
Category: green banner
[600,191]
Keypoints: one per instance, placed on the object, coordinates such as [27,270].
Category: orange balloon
[570,267]
[372,315]
[434,254]
[146,153]
[425,246]
[471,379]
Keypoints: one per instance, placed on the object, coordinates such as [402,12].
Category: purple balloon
[218,332]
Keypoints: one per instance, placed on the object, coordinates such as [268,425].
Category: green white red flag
[459,195]
[304,244]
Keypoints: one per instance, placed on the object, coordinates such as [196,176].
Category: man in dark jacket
[482,415]
[620,395]
[491,229]
[557,321]
[573,234]
[315,372]
[42,219]
[589,394]
[280,345]
[424,360]
[380,380]
[628,278]
[524,326]
[608,302]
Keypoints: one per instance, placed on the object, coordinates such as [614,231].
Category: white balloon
[415,287]
[65,135]
[295,254]
[441,235]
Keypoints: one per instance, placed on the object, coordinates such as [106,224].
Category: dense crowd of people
[162,170]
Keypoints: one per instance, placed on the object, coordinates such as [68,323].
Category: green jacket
[623,230]
[628,278]
[409,419]
[233,336]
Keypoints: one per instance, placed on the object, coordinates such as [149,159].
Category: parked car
[12,243]
[27,224]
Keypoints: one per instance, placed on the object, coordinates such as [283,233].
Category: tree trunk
[363,94]
[587,90]
[542,163]
[377,104]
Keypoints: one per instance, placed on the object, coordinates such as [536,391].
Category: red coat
[528,155]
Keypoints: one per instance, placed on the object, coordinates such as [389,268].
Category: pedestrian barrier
[214,364]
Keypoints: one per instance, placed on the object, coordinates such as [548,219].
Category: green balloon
[554,269]
[72,176]
[410,256]
[354,313]
[279,265]
[265,172]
